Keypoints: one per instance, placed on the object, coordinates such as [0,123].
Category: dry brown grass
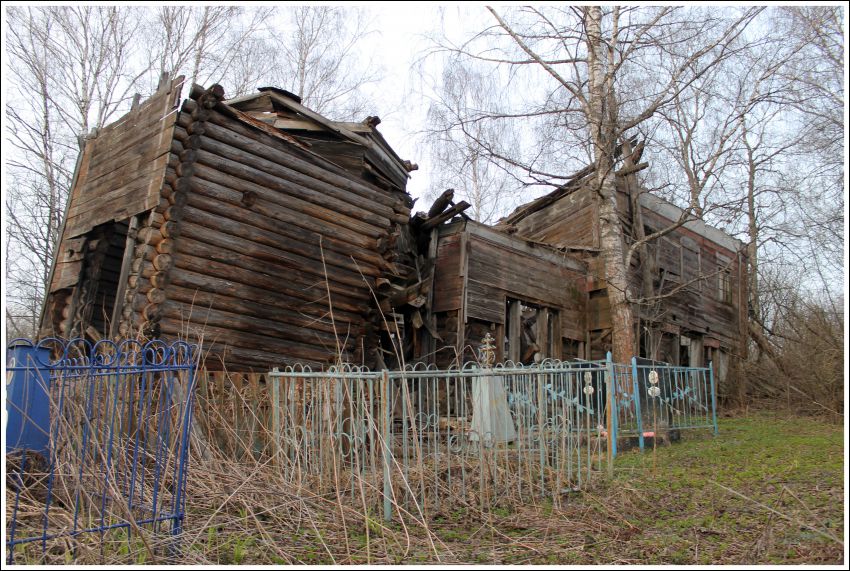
[768,490]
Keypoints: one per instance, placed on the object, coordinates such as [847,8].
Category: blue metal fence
[657,398]
[108,461]
[420,437]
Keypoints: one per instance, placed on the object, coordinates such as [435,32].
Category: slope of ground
[768,490]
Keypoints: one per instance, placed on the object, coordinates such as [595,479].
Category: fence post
[276,428]
[713,396]
[612,414]
[636,389]
[180,483]
[386,405]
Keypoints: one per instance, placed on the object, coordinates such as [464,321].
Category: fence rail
[423,435]
[96,443]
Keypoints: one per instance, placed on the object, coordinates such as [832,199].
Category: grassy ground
[768,490]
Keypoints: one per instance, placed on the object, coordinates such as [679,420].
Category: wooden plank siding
[688,257]
[124,174]
[698,308]
[569,222]
[473,287]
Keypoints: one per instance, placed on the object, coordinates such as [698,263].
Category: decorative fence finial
[487,351]
[654,390]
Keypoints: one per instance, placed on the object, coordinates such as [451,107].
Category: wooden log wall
[266,250]
[568,222]
[698,307]
[119,175]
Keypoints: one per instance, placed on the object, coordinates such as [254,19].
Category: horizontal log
[235,359]
[289,292]
[152,313]
[184,119]
[171,229]
[245,266]
[249,307]
[160,280]
[200,283]
[284,250]
[288,197]
[288,165]
[279,207]
[142,267]
[163,262]
[156,295]
[309,163]
[222,158]
[184,169]
[274,233]
[176,324]
[166,246]
[150,236]
[239,322]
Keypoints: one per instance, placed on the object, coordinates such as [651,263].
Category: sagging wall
[277,250]
[116,187]
[700,271]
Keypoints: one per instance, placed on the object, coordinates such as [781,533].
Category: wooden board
[126,168]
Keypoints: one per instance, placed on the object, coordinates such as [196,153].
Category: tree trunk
[603,129]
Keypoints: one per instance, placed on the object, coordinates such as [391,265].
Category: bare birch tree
[320,59]
[69,71]
[454,134]
[614,69]
[212,44]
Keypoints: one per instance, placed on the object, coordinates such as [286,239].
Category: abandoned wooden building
[278,236]
[195,219]
[691,280]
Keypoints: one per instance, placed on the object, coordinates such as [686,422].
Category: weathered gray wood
[217,277]
[126,265]
[238,323]
[265,308]
[223,340]
[283,208]
[514,330]
[242,167]
[263,244]
[448,214]
[319,172]
[306,242]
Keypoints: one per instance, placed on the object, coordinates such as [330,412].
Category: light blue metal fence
[419,437]
[657,398]
[413,439]
[97,443]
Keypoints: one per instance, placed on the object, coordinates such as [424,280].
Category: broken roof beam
[458,208]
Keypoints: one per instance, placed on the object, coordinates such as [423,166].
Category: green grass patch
[767,490]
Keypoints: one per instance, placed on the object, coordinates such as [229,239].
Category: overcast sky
[400,43]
